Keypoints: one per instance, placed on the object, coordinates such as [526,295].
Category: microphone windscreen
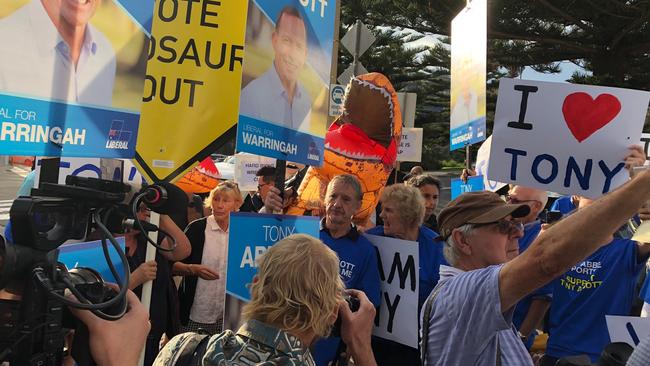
[176,201]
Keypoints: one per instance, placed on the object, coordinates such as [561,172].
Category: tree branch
[547,40]
[564,15]
[626,30]
[600,9]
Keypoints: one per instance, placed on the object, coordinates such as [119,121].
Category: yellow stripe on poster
[191,94]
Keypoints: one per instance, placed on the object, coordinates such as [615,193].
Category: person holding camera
[296,297]
[119,342]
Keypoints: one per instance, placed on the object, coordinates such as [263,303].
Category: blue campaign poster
[63,97]
[467,134]
[90,254]
[283,110]
[474,184]
[250,235]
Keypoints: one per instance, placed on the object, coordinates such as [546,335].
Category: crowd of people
[492,275]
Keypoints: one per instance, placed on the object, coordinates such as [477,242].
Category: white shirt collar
[449,272]
[275,78]
[48,36]
[214,226]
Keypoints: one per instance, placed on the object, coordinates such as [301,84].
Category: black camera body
[34,317]
[353,304]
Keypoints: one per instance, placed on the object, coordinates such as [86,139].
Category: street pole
[355,54]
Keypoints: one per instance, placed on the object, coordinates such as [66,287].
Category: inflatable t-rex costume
[362,142]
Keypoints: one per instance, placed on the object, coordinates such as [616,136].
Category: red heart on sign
[584,115]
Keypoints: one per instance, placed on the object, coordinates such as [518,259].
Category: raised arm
[183,247]
[571,240]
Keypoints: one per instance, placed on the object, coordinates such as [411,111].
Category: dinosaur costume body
[362,142]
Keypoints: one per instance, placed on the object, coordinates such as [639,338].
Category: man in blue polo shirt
[357,256]
[602,284]
[530,311]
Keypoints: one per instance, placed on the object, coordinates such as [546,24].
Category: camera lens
[85,276]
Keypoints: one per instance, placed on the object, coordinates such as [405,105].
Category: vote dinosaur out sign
[563,137]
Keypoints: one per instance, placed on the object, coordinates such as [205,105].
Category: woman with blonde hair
[402,211]
[202,292]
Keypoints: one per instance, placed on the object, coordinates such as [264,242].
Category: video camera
[34,307]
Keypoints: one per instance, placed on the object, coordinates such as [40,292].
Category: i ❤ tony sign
[564,138]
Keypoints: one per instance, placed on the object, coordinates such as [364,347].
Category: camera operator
[117,342]
[112,342]
[296,297]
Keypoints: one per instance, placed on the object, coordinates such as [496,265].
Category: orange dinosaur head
[371,120]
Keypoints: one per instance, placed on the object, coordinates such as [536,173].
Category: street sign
[349,73]
[357,40]
[360,36]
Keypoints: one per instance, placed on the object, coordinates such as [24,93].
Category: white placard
[628,329]
[410,146]
[482,164]
[565,138]
[246,166]
[337,94]
[90,168]
[399,273]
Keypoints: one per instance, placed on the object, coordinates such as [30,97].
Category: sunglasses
[515,201]
[505,227]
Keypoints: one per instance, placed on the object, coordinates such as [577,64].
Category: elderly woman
[202,293]
[402,210]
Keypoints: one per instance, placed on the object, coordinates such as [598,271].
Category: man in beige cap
[467,319]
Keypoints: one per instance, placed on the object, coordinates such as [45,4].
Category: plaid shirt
[255,343]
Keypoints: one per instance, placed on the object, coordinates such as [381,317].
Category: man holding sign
[476,295]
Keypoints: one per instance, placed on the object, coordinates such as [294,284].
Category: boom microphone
[165,198]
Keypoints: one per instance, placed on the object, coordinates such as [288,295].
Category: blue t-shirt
[564,205]
[644,294]
[431,258]
[602,284]
[531,231]
[359,271]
